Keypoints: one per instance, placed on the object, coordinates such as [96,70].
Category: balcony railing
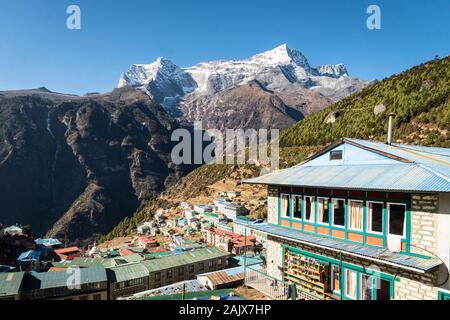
[267,285]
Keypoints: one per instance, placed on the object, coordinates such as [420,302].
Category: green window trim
[345,266]
[443,295]
[365,234]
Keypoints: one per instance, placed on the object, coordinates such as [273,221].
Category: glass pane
[285,206]
[336,278]
[339,212]
[309,208]
[375,217]
[367,283]
[323,211]
[350,283]
[297,207]
[355,215]
[396,219]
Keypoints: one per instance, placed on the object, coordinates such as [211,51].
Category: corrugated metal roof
[425,170]
[226,276]
[398,259]
[127,272]
[10,283]
[185,258]
[58,279]
[48,242]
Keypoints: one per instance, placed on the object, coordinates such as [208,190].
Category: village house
[127,279]
[68,253]
[56,285]
[184,266]
[11,285]
[146,242]
[229,241]
[153,273]
[234,210]
[358,220]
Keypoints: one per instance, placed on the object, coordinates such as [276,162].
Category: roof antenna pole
[391,120]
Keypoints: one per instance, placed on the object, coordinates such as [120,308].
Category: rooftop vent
[390,127]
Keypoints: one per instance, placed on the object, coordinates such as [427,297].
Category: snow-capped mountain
[281,71]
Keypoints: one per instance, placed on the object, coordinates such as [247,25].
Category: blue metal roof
[398,259]
[48,242]
[416,169]
[32,255]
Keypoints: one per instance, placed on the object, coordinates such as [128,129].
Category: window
[338,212]
[323,215]
[375,217]
[367,284]
[309,209]
[191,268]
[169,274]
[219,262]
[336,155]
[355,215]
[83,297]
[285,205]
[181,271]
[397,215]
[350,283]
[297,207]
[97,297]
[210,264]
[201,266]
[335,278]
[157,276]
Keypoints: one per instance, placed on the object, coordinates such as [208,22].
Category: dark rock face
[73,167]
[252,106]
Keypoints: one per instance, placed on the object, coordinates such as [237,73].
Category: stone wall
[272,204]
[407,289]
[409,285]
[274,259]
[424,223]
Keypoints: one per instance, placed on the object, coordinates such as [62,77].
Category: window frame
[332,211]
[341,152]
[348,215]
[403,236]
[334,290]
[313,212]
[281,206]
[368,202]
[329,212]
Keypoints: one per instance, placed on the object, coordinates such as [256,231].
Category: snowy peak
[276,68]
[159,78]
[334,71]
[282,55]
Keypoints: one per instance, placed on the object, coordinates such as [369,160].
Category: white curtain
[350,284]
[356,215]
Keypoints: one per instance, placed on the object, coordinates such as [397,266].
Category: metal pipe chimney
[390,128]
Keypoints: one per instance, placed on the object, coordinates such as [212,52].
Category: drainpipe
[390,128]
[341,275]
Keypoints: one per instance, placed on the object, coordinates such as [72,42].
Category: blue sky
[36,48]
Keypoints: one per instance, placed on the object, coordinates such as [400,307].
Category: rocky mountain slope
[420,97]
[279,81]
[77,165]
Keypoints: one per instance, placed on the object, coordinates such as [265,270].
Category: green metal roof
[127,272]
[10,283]
[86,263]
[185,258]
[58,279]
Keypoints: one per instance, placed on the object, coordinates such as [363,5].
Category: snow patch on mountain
[274,69]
